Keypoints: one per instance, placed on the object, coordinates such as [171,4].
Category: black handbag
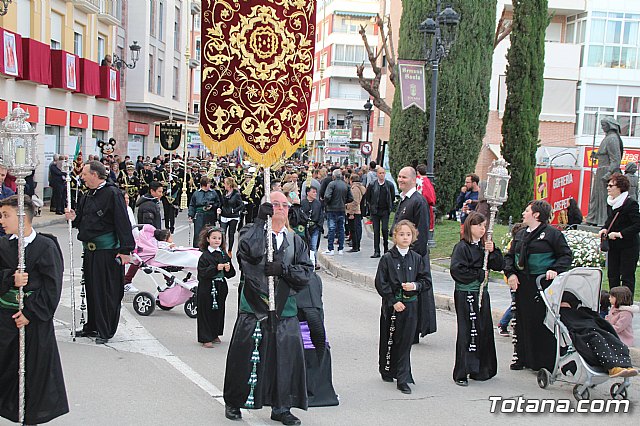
[604,238]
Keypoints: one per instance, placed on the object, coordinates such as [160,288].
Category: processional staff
[18,144]
[67,168]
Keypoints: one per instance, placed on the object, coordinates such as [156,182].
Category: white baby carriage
[172,290]
[584,283]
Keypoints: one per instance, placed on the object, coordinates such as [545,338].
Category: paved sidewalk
[47,218]
[360,270]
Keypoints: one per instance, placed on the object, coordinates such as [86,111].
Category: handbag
[604,238]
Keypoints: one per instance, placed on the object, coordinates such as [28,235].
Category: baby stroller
[584,283]
[172,290]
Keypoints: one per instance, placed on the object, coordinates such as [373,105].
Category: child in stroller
[155,254]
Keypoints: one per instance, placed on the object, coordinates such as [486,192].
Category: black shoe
[516,366]
[232,413]
[462,382]
[386,378]
[375,255]
[285,418]
[404,388]
[83,333]
[101,341]
[354,250]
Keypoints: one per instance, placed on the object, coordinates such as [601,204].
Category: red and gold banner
[257,72]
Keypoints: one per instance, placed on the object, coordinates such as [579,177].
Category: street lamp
[118,62]
[332,123]
[348,119]
[441,31]
[368,107]
[4,7]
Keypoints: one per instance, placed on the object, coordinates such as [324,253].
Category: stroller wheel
[580,396]
[191,307]
[544,378]
[144,303]
[616,393]
[164,308]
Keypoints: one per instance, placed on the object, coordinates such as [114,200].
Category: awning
[356,14]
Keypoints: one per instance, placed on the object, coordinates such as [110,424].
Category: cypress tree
[463,96]
[525,86]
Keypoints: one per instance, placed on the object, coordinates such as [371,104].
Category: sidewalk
[360,270]
[47,218]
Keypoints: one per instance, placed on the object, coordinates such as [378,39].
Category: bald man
[278,376]
[414,207]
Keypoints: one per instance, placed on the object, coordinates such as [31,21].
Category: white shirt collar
[211,249]
[279,236]
[104,182]
[408,194]
[28,239]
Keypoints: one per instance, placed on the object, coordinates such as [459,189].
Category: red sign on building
[557,186]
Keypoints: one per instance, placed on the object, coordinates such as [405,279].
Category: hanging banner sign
[170,134]
[412,84]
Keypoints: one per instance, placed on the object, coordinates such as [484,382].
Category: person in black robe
[539,249]
[402,274]
[265,362]
[317,354]
[214,267]
[46,397]
[475,346]
[414,207]
[104,229]
[594,338]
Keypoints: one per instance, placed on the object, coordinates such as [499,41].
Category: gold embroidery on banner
[257,76]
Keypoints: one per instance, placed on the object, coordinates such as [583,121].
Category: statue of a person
[609,156]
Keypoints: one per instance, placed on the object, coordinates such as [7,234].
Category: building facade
[53,51]
[333,133]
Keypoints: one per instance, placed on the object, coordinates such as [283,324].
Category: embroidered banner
[257,72]
[412,83]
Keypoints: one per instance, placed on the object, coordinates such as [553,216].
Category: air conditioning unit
[194,63]
[195,7]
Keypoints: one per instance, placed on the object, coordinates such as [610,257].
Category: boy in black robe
[45,393]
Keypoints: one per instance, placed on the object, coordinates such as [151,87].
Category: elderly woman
[621,228]
[539,249]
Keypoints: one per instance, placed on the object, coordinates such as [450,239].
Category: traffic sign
[366,149]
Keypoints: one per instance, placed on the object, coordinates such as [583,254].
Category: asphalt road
[155,373]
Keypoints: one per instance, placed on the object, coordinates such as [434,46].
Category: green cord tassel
[255,359]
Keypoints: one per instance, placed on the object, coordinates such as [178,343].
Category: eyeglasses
[610,186]
[280,205]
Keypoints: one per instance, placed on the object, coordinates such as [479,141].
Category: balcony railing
[110,11]
[88,6]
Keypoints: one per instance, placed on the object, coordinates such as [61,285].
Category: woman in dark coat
[232,206]
[539,249]
[214,267]
[623,225]
[475,347]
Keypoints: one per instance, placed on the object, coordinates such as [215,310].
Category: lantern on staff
[18,150]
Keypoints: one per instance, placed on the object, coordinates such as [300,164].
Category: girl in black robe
[538,250]
[402,274]
[475,346]
[46,397]
[214,267]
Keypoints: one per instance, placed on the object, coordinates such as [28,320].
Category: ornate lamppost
[496,195]
[119,62]
[440,32]
[367,108]
[18,144]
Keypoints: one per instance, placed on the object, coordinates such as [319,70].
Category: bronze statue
[609,156]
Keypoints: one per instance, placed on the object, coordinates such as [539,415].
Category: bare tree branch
[503,29]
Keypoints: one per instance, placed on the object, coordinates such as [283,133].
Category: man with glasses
[265,362]
[468,198]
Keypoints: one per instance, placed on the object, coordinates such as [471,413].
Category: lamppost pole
[435,65]
[368,107]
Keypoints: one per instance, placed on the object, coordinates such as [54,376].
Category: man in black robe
[105,232]
[265,362]
[46,397]
[414,207]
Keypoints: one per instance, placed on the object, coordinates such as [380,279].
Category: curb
[443,301]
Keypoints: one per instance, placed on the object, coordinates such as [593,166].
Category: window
[197,52]
[352,26]
[321,122]
[151,73]
[311,124]
[176,83]
[77,44]
[159,77]
[24,18]
[614,40]
[161,21]
[629,116]
[196,108]
[152,17]
[56,30]
[100,48]
[197,77]
[350,55]
[589,123]
[381,119]
[196,22]
[176,30]
[323,91]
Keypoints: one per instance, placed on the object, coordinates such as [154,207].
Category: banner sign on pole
[170,135]
[412,84]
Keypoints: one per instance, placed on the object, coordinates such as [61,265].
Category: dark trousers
[380,220]
[104,284]
[621,265]
[356,231]
[231,227]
